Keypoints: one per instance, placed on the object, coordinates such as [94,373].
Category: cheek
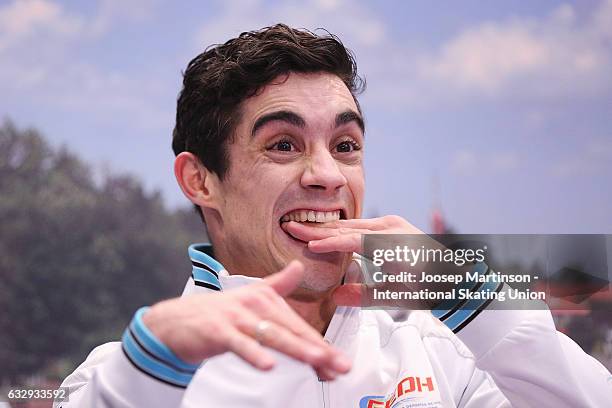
[260,190]
[356,184]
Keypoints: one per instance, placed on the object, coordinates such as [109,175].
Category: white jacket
[498,358]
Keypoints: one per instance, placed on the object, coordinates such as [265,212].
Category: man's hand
[245,321]
[346,236]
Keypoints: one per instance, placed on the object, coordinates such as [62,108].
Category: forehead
[317,96]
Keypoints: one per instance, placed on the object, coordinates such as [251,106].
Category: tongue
[284,228]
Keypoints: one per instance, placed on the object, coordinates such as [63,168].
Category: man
[269,141]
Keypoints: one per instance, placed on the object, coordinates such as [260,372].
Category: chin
[322,276]
[323,272]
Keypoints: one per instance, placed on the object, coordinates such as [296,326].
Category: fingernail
[266,363]
[342,362]
[326,375]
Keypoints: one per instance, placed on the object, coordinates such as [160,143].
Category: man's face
[297,155]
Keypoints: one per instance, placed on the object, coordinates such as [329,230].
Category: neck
[317,312]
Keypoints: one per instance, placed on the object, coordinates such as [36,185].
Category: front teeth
[311,216]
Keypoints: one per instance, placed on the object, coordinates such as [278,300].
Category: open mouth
[310,217]
[313,216]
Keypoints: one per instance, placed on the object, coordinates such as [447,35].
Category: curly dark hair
[219,79]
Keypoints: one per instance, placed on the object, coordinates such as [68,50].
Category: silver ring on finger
[260,330]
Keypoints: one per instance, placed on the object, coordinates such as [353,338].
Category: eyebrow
[294,119]
[282,116]
[349,116]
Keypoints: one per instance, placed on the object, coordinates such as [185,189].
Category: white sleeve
[532,364]
[138,372]
[108,379]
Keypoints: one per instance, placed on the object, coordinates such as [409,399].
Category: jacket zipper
[325,384]
[325,393]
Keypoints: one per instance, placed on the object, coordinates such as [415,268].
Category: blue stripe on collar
[205,270]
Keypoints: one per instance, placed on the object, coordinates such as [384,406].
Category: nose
[322,172]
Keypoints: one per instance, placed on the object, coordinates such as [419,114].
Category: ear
[200,185]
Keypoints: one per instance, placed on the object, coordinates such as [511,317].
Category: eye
[283,146]
[347,146]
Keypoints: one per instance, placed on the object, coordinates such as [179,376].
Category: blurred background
[482,117]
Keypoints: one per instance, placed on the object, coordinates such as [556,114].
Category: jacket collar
[205,270]
[209,274]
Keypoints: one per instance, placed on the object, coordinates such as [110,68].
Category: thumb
[288,279]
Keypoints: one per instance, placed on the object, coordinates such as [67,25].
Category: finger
[283,319]
[341,243]
[305,232]
[259,303]
[325,374]
[372,224]
[387,224]
[249,350]
[284,341]
[287,280]
[309,231]
[288,318]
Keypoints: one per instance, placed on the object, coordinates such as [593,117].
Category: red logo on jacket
[405,387]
